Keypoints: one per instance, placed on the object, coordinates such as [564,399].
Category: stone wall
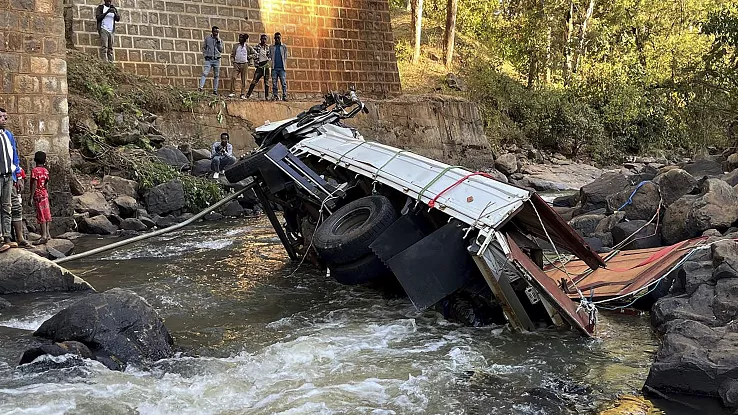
[34,90]
[332,43]
[446,129]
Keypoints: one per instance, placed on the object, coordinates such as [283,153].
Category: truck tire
[346,235]
[360,271]
[245,168]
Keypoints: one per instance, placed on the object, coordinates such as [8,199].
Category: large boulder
[233,209]
[59,246]
[114,186]
[166,197]
[173,157]
[703,168]
[99,225]
[118,326]
[607,223]
[127,206]
[201,154]
[639,205]
[593,196]
[674,184]
[731,178]
[22,272]
[133,224]
[507,164]
[715,207]
[585,225]
[643,236]
[201,168]
[93,203]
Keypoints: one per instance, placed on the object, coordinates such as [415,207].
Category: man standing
[17,211]
[212,47]
[222,155]
[241,55]
[106,15]
[261,62]
[9,167]
[278,52]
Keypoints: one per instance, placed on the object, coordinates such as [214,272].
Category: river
[257,335]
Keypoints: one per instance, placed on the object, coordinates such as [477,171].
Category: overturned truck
[452,238]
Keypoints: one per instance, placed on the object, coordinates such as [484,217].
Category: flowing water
[256,335]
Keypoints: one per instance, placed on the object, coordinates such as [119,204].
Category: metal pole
[275,223]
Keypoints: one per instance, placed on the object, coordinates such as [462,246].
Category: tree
[451,9]
[417,22]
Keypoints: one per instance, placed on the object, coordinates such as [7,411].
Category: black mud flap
[434,266]
[402,234]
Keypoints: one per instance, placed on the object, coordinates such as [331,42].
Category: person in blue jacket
[9,169]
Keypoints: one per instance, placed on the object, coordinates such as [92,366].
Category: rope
[432,202]
[630,198]
[386,163]
[350,150]
[435,179]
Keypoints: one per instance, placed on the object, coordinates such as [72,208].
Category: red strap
[432,202]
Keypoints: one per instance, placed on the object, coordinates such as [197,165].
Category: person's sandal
[24,244]
[4,247]
[41,241]
[13,244]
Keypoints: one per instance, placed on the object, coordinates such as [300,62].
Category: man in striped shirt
[9,168]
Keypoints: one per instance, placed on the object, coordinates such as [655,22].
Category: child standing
[39,183]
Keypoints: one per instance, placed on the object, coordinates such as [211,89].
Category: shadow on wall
[332,43]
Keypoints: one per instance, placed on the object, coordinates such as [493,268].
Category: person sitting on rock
[17,211]
[39,185]
[222,155]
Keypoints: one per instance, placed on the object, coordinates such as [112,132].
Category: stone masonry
[332,43]
[33,89]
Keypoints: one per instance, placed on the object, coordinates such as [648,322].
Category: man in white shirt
[241,55]
[106,15]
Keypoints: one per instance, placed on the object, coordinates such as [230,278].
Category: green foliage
[199,193]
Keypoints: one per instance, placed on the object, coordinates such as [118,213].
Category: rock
[70,235]
[201,168]
[605,237]
[695,273]
[156,140]
[166,197]
[725,305]
[75,186]
[711,232]
[594,195]
[585,225]
[93,203]
[566,213]
[201,154]
[725,252]
[127,206]
[147,221]
[214,216]
[116,323]
[728,392]
[24,272]
[732,162]
[648,237]
[496,174]
[606,224]
[454,82]
[115,220]
[716,207]
[165,221]
[4,304]
[232,209]
[99,225]
[507,164]
[594,242]
[173,157]
[63,246]
[644,202]
[731,178]
[185,217]
[543,185]
[114,186]
[566,201]
[703,168]
[125,138]
[674,184]
[56,349]
[133,224]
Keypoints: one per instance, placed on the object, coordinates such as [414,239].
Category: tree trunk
[408,5]
[451,8]
[567,43]
[532,69]
[418,26]
[585,25]
[549,41]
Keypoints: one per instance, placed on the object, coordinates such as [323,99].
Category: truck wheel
[360,271]
[245,168]
[346,235]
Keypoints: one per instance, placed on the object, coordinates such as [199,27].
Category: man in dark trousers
[106,15]
[222,155]
[261,62]
[9,168]
[212,47]
[278,52]
[241,55]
